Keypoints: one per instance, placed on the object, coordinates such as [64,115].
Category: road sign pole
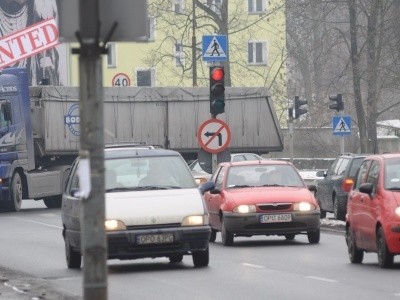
[342,145]
[93,238]
[214,162]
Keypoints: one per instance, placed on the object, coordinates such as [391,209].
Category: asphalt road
[257,267]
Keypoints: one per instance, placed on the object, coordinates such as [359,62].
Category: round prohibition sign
[121,79]
[214,136]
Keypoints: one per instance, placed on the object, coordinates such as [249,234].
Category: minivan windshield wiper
[143,188]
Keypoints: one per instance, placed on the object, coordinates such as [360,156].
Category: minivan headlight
[112,225]
[244,209]
[195,220]
[304,206]
[397,211]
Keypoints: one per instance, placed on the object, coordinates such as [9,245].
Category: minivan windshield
[146,173]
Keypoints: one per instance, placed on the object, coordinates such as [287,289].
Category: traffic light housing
[217,90]
[338,104]
[298,110]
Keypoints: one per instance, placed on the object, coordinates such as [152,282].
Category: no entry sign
[214,136]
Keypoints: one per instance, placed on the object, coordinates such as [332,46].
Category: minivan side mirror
[366,188]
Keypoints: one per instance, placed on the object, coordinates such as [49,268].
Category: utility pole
[93,237]
[194,52]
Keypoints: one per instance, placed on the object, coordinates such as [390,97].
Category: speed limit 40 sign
[121,79]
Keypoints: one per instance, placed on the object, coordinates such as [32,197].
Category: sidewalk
[18,286]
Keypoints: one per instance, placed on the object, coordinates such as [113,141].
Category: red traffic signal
[217,90]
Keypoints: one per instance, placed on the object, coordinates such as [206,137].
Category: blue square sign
[214,48]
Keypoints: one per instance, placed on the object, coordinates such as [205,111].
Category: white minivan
[154,208]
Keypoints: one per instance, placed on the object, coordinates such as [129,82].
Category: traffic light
[217,90]
[338,104]
[298,111]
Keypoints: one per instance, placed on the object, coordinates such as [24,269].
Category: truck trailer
[40,132]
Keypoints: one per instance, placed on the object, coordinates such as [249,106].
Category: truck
[40,132]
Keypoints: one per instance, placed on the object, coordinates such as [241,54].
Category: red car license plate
[276,218]
[165,238]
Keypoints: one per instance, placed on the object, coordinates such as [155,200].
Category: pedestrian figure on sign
[342,125]
[215,47]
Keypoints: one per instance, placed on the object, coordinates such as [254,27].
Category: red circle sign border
[228,140]
[119,74]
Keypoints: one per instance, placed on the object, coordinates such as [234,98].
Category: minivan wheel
[201,258]
[356,255]
[385,258]
[213,235]
[290,236]
[73,258]
[313,236]
[176,258]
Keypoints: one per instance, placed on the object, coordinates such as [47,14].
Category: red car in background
[263,197]
[373,210]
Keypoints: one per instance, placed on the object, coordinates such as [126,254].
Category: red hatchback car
[261,198]
[373,210]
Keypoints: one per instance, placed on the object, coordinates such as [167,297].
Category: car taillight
[347,183]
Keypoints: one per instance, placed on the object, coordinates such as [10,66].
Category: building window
[111,55]
[256,6]
[145,77]
[178,6]
[151,28]
[215,5]
[257,53]
[179,55]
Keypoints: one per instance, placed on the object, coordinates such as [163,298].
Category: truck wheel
[53,201]
[15,199]
[201,258]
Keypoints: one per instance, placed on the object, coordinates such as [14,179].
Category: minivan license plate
[165,238]
[276,218]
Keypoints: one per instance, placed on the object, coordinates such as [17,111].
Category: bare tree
[353,50]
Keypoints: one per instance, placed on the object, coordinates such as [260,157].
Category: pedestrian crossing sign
[341,125]
[214,48]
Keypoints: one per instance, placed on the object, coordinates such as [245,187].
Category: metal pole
[341,144]
[93,238]
[194,60]
[291,138]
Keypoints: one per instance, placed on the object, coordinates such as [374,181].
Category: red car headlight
[304,206]
[244,209]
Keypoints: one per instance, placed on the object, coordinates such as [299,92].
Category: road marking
[14,288]
[253,266]
[322,279]
[41,223]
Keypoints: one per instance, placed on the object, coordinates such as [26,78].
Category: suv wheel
[338,211]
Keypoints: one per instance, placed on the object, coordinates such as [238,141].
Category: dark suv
[333,189]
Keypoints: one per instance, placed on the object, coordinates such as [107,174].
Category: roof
[256,162]
[125,151]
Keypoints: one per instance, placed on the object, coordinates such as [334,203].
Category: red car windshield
[263,175]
